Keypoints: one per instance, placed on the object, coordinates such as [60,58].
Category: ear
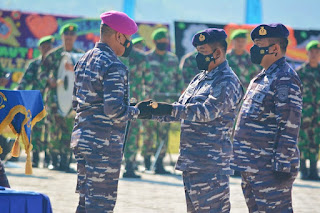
[118,36]
[276,48]
[218,52]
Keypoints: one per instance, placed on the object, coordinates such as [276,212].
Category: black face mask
[161,46]
[128,47]
[203,61]
[257,53]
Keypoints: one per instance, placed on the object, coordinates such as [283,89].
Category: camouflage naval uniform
[266,137]
[30,82]
[188,67]
[137,64]
[165,77]
[60,128]
[207,110]
[243,67]
[310,123]
[101,101]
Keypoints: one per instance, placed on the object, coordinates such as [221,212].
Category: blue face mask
[257,53]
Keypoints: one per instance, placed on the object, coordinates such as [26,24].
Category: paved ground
[151,194]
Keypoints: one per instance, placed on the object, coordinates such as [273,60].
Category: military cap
[137,40]
[46,39]
[159,33]
[239,33]
[270,31]
[68,27]
[119,22]
[313,45]
[209,35]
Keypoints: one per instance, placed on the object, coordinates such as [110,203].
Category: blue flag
[21,110]
[253,13]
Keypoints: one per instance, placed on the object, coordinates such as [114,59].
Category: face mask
[203,61]
[128,47]
[257,53]
[162,46]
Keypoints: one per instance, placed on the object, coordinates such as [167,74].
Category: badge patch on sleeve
[283,92]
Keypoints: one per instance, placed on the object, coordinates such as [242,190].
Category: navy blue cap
[209,35]
[270,31]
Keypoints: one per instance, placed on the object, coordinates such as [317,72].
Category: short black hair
[283,43]
[106,30]
[221,43]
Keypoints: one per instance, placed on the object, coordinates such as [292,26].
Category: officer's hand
[145,109]
[162,109]
[282,176]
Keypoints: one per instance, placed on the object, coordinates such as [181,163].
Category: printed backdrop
[296,52]
[20,32]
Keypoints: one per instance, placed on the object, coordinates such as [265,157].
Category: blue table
[12,201]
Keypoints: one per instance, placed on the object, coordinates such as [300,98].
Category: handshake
[148,108]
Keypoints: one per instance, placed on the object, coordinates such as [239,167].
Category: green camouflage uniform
[310,124]
[30,82]
[2,75]
[137,64]
[165,77]
[60,128]
[243,67]
[188,67]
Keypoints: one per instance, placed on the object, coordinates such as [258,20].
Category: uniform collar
[274,66]
[215,71]
[103,47]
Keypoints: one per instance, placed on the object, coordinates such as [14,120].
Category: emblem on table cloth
[3,99]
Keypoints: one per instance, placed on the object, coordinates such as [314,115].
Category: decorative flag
[21,110]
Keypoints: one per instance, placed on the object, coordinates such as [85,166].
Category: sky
[299,14]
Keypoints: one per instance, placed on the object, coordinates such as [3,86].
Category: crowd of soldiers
[271,106]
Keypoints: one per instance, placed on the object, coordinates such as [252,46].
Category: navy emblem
[283,92]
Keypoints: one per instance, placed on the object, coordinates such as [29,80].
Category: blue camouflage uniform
[266,137]
[266,133]
[207,110]
[101,101]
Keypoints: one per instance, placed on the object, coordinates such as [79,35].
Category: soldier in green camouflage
[188,67]
[165,81]
[309,141]
[239,59]
[30,82]
[137,64]
[60,127]
[3,79]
